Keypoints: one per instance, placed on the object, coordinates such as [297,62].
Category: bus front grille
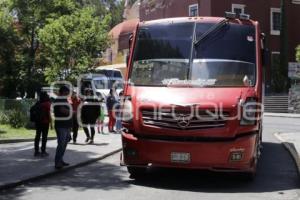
[183,119]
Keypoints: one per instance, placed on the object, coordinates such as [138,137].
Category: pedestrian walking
[63,125]
[40,115]
[90,112]
[100,120]
[74,100]
[110,104]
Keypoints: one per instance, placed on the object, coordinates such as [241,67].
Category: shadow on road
[100,176]
[276,172]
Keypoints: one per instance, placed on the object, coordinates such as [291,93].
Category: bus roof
[196,19]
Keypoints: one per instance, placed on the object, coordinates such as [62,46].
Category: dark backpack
[36,112]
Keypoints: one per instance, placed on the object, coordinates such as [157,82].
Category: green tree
[24,60]
[100,9]
[71,43]
[115,8]
[9,40]
[32,15]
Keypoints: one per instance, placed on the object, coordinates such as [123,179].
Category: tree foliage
[298,53]
[9,68]
[72,42]
[115,8]
[30,54]
[32,15]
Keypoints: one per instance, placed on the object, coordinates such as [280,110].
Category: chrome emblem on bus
[183,121]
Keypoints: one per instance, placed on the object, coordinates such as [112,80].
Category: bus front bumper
[235,155]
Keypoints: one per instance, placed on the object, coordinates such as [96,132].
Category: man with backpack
[63,124]
[40,115]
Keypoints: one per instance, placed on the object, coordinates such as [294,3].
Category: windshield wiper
[213,29]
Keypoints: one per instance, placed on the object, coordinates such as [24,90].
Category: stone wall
[294,99]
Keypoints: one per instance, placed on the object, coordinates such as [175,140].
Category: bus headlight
[249,112]
[127,111]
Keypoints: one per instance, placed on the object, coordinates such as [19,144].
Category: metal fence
[22,105]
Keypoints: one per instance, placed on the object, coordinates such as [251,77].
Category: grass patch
[7,132]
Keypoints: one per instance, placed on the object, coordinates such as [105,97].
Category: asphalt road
[276,179]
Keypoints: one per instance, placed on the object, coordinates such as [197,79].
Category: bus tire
[248,176]
[136,172]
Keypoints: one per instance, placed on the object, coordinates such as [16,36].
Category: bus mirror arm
[265,52]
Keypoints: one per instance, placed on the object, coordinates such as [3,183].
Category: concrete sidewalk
[291,142]
[287,115]
[18,165]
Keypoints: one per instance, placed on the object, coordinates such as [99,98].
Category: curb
[55,172]
[285,115]
[290,147]
[21,140]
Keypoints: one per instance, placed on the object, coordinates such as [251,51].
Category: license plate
[180,157]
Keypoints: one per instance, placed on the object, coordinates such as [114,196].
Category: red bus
[193,95]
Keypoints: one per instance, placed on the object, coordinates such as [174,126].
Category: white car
[102,81]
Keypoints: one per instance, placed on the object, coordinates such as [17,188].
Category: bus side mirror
[265,52]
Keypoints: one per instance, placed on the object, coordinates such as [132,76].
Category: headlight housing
[249,112]
[127,110]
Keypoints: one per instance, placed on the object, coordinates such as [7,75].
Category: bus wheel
[136,172]
[249,176]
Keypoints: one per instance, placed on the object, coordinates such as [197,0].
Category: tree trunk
[31,64]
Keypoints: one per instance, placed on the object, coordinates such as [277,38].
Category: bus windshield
[166,55]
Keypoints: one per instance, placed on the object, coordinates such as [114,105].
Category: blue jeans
[118,121]
[63,137]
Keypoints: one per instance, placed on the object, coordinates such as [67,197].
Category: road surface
[276,179]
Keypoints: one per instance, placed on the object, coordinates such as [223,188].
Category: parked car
[102,81]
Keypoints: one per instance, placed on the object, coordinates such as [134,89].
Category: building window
[275,21]
[238,9]
[193,10]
